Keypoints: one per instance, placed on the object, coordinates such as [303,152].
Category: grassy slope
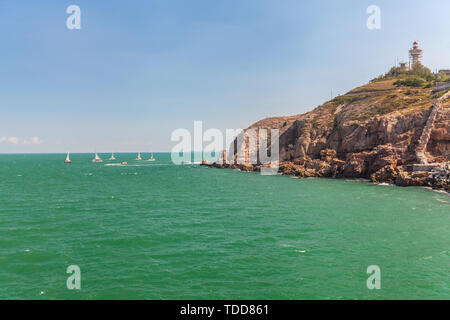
[376,98]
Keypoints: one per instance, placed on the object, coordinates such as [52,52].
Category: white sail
[139,156]
[68,158]
[97,158]
[112,157]
[151,157]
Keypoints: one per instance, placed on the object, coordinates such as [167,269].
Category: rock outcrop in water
[380,131]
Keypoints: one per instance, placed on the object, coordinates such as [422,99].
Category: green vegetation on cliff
[397,91]
[419,76]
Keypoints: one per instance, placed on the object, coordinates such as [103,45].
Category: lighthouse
[415,54]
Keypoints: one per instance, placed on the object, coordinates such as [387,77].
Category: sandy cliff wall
[376,131]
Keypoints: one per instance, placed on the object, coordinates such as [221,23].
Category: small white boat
[68,159]
[151,158]
[112,157]
[97,158]
[139,156]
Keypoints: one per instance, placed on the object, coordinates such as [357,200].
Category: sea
[156,230]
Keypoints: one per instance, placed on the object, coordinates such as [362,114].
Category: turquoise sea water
[160,231]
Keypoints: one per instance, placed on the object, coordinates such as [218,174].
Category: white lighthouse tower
[415,54]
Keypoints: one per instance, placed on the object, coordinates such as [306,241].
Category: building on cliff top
[415,54]
[404,66]
[445,71]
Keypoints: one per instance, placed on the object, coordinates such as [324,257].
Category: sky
[138,70]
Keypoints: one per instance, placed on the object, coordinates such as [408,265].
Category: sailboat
[139,156]
[97,158]
[151,158]
[112,157]
[68,159]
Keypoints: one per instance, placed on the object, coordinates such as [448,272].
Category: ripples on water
[159,231]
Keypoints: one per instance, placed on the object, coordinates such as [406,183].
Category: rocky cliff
[380,131]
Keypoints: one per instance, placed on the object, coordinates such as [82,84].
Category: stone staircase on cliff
[426,132]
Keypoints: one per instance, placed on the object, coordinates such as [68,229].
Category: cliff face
[378,131]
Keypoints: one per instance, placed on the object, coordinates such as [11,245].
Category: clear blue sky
[137,70]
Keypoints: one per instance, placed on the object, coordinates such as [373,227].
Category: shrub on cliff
[395,72]
[442,77]
[423,72]
[410,82]
[418,70]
